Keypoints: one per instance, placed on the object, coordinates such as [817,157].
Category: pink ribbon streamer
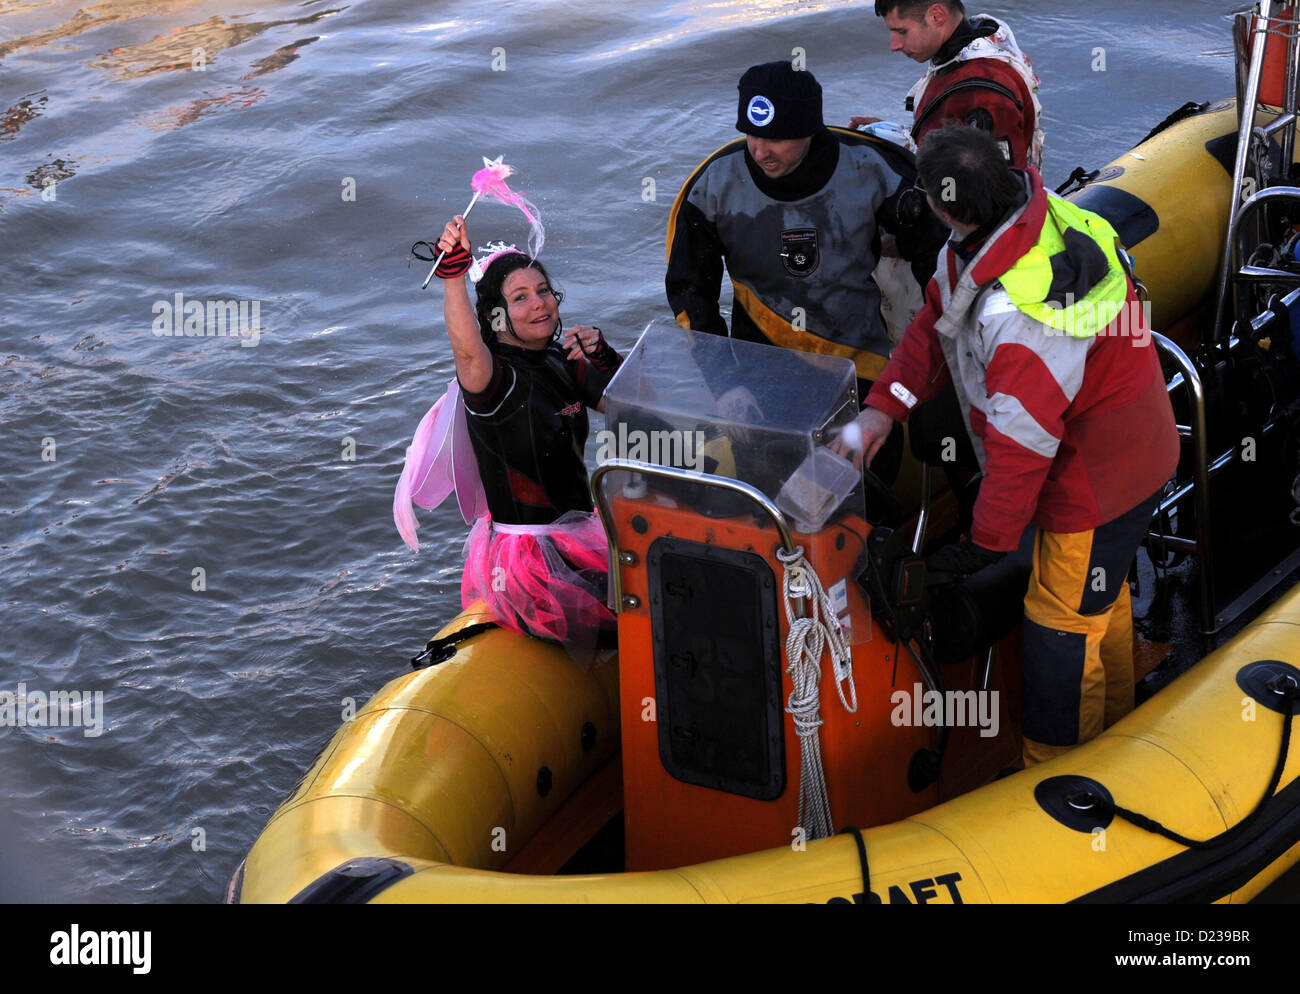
[491,181]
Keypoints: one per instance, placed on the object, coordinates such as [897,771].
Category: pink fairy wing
[404,518]
[416,452]
[470,494]
[432,481]
[426,475]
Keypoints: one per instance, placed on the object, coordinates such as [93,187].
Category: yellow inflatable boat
[500,761]
[1176,239]
[434,793]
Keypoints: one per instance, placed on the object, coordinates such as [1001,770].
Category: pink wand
[491,179]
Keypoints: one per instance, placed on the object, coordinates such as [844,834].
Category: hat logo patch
[760,111]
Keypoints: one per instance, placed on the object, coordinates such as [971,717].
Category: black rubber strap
[862,860]
[1077,180]
[440,650]
[1289,695]
[1189,109]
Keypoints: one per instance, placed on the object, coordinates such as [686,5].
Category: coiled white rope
[803,651]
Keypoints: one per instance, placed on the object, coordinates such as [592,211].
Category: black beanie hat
[778,101]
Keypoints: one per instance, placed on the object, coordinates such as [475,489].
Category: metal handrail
[755,495]
[1247,273]
[1278,20]
[1246,118]
[1291,91]
[1200,474]
[1267,131]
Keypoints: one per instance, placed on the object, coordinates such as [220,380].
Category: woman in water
[540,559]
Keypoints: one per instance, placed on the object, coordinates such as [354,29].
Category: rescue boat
[782,676]
[474,780]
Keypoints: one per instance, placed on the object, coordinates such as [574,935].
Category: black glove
[954,563]
[602,355]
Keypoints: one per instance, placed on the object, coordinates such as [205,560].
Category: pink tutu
[544,580]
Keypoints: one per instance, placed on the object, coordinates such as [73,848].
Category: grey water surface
[289,153]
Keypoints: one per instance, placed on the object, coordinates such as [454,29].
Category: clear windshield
[755,413]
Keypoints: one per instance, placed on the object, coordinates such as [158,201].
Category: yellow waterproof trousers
[1078,636]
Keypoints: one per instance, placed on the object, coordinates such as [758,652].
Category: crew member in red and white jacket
[977,75]
[1033,318]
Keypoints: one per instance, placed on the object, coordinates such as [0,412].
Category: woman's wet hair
[491,291]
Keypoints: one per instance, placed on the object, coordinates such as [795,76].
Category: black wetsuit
[529,427]
[800,249]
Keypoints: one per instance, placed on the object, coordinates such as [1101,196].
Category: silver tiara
[491,250]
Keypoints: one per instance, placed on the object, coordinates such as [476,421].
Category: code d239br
[1186,935]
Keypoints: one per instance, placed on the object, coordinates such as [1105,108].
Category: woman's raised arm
[470,352]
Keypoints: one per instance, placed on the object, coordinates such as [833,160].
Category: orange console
[711,443]
[711,762]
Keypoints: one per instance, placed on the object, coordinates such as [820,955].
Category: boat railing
[1263,203]
[618,600]
[1253,173]
[1279,321]
[1244,239]
[1198,487]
